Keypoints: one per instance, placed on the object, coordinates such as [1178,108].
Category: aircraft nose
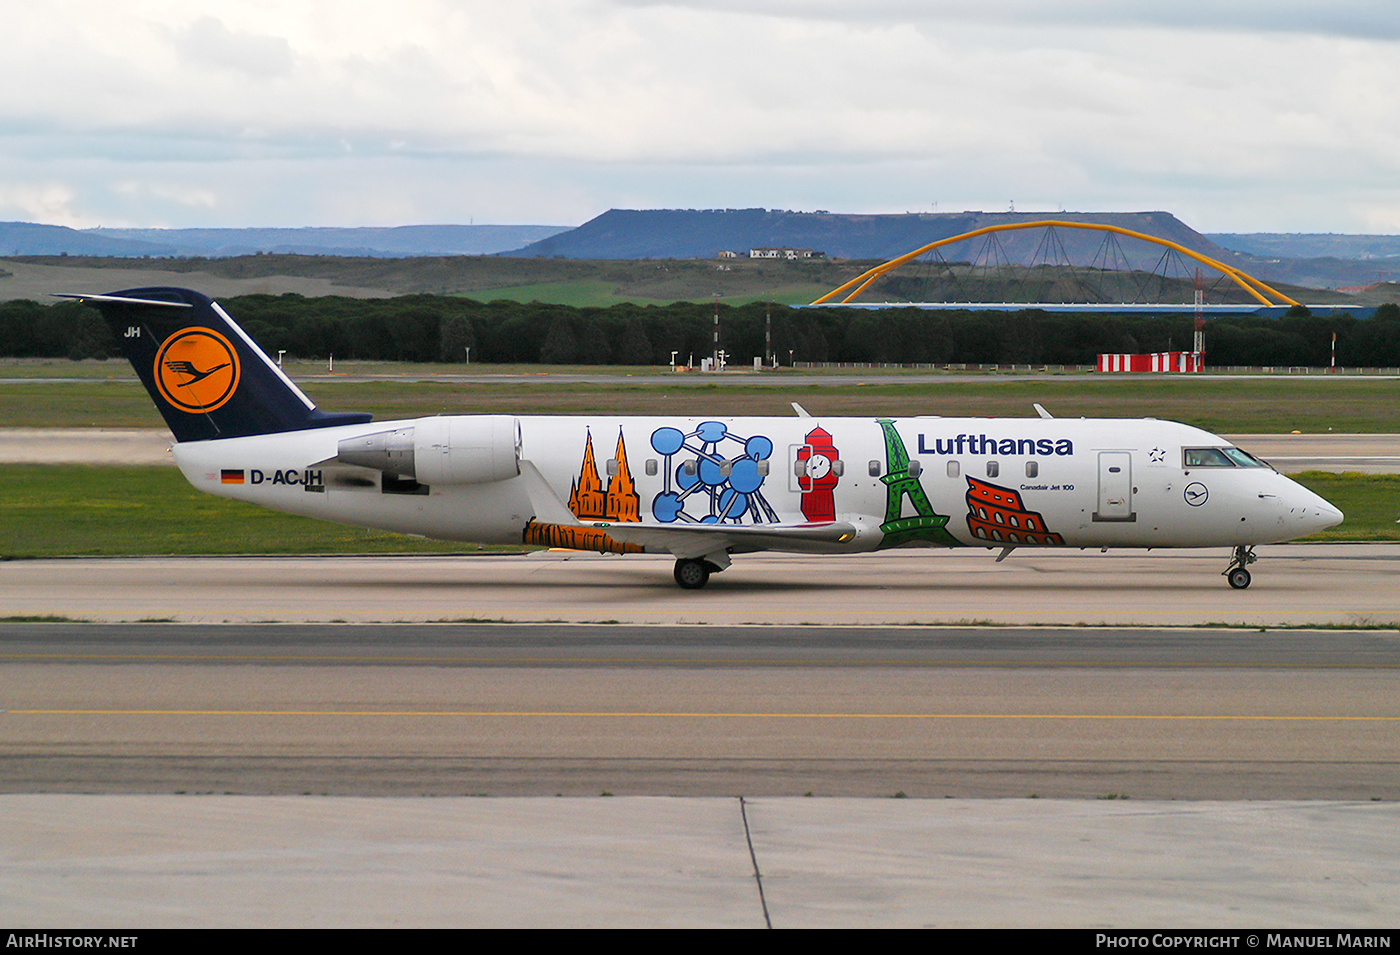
[1326,516]
[1312,512]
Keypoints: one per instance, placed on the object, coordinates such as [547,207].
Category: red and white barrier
[1182,362]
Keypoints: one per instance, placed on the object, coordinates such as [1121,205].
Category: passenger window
[915,468]
[612,467]
[838,467]
[763,468]
[689,468]
[651,467]
[993,469]
[954,469]
[874,468]
[1032,469]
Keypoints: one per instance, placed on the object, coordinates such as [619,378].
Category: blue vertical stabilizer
[207,377]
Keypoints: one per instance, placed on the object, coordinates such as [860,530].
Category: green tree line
[430,328]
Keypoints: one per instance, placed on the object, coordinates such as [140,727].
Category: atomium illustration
[725,488]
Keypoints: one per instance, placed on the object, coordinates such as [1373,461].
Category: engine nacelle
[453,449]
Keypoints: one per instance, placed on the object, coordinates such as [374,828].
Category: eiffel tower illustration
[925,525]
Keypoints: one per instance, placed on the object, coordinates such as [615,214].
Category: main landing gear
[693,573]
[1236,574]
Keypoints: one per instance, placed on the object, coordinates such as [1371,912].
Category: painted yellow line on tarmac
[686,714]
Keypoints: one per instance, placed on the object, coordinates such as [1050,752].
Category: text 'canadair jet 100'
[700,489]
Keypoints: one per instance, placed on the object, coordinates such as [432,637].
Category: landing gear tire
[1236,573]
[692,574]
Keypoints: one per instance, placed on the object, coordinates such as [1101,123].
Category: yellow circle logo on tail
[197,370]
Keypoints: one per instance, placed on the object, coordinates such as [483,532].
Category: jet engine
[453,449]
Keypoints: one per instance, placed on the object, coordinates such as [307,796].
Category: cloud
[207,42]
[1368,19]
[300,109]
[50,203]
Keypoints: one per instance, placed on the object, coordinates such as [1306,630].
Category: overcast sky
[1237,115]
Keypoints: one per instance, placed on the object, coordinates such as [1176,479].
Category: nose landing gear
[1236,573]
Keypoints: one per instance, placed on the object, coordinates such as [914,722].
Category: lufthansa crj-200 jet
[701,489]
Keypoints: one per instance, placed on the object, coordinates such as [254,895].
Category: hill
[27,238]
[1311,245]
[486,278]
[1314,261]
[702,233]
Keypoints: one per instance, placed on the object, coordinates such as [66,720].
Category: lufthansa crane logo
[197,370]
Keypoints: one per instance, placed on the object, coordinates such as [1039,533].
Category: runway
[844,673]
[1115,775]
[1294,585]
[545,710]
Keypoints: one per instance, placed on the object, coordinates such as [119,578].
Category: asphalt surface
[1294,585]
[513,710]
[181,775]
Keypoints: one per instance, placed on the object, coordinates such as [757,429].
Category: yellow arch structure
[1247,282]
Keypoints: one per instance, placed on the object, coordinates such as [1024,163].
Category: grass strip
[90,511]
[1255,405]
[1371,503]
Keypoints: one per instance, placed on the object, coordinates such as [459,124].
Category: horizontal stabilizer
[121,300]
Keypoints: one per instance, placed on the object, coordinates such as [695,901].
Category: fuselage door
[1115,487]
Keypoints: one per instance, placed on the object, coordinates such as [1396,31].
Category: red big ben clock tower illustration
[819,478]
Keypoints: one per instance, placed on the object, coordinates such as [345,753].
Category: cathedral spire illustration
[619,501]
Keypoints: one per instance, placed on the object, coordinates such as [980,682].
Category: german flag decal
[230,476]
[197,370]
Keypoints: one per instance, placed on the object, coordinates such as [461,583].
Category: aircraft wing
[702,540]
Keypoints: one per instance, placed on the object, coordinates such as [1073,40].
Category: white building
[779,252]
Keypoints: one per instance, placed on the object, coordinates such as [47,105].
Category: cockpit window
[1219,458]
[1206,458]
[1243,458]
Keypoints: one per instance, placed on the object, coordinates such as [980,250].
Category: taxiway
[509,710]
[1294,585]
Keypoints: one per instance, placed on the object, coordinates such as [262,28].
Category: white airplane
[701,489]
